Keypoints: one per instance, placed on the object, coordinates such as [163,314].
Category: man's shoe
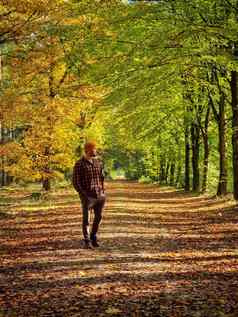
[94,241]
[87,244]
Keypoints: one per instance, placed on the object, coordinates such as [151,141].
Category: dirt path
[163,253]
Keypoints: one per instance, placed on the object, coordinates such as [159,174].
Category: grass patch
[33,199]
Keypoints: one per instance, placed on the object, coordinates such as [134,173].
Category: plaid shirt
[88,177]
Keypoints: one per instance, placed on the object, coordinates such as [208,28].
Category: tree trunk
[162,170]
[221,121]
[222,185]
[8,138]
[2,168]
[172,172]
[46,184]
[178,176]
[195,135]
[3,174]
[206,150]
[187,161]
[234,103]
[205,163]
[167,173]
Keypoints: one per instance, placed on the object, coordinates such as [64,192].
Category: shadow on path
[163,253]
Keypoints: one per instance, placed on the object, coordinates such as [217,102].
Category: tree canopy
[154,82]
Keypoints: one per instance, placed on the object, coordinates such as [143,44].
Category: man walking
[88,180]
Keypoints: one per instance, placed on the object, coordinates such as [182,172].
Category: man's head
[90,149]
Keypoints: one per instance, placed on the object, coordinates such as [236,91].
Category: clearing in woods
[163,253]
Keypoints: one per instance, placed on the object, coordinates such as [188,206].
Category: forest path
[163,253]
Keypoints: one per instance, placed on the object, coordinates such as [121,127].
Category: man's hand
[84,196]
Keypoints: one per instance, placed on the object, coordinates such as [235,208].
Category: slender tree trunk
[172,172]
[222,185]
[3,174]
[178,176]
[179,165]
[2,168]
[234,103]
[167,173]
[157,171]
[187,161]
[46,184]
[5,135]
[206,150]
[9,179]
[46,181]
[162,170]
[1,66]
[221,122]
[205,163]
[195,135]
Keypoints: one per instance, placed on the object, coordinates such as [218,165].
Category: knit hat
[90,145]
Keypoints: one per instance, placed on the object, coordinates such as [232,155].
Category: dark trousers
[97,205]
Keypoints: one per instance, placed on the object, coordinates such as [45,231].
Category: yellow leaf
[113,310]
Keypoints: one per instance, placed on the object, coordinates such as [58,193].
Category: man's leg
[85,222]
[98,208]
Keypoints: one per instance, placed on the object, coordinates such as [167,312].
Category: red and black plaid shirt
[88,177]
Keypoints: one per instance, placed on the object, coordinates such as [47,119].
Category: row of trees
[47,108]
[155,82]
[179,89]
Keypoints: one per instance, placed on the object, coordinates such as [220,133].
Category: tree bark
[162,169]
[9,179]
[172,172]
[167,173]
[187,160]
[46,184]
[2,171]
[206,149]
[178,176]
[220,118]
[234,103]
[222,185]
[195,135]
[3,159]
[205,163]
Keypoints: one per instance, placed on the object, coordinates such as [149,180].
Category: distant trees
[173,67]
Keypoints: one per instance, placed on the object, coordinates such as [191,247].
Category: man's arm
[102,176]
[76,179]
